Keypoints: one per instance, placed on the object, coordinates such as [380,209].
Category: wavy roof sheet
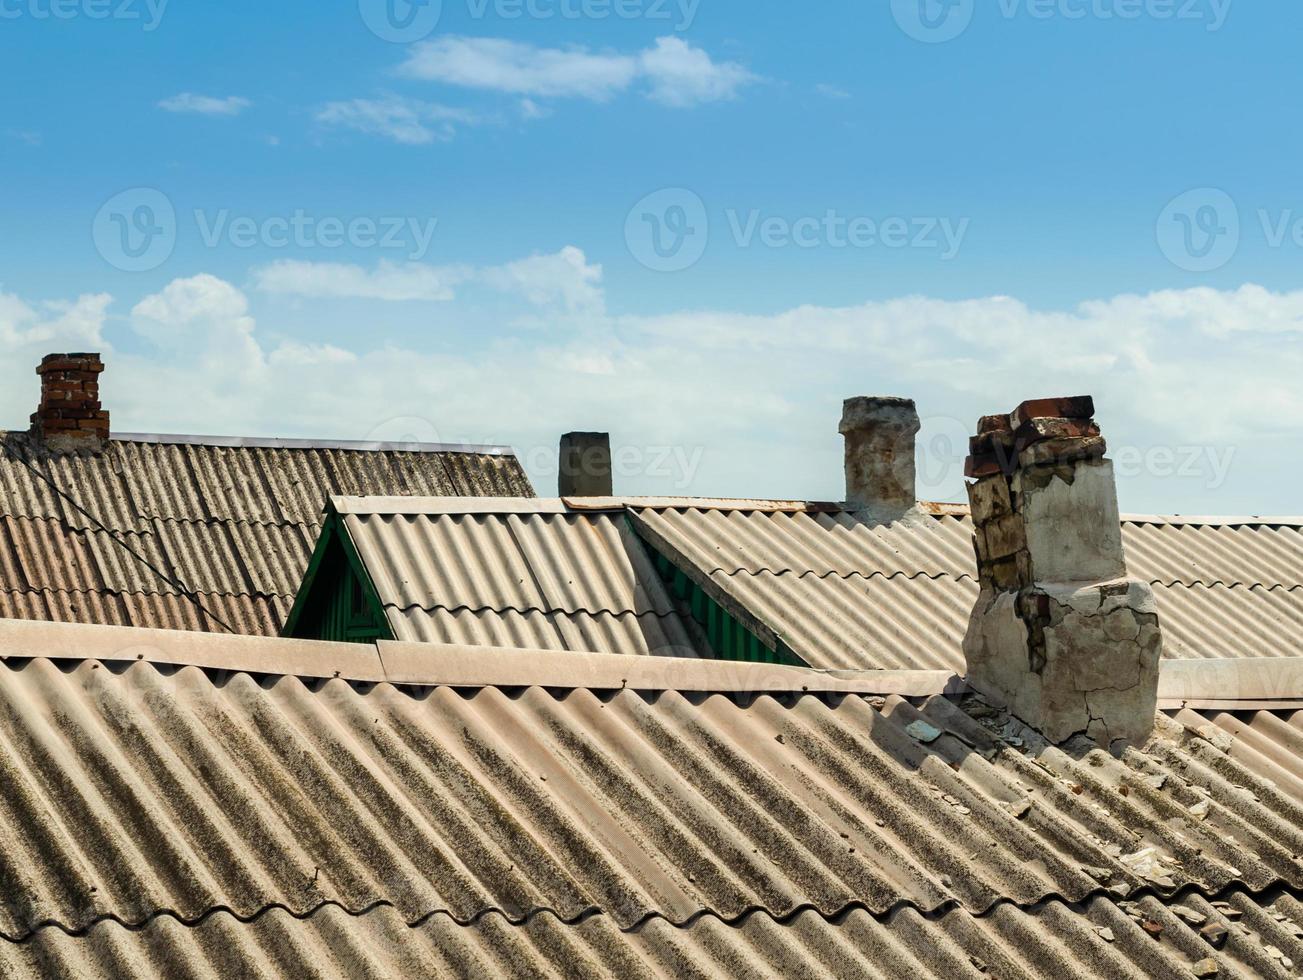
[1052,941]
[844,592]
[164,821]
[551,579]
[125,795]
[191,534]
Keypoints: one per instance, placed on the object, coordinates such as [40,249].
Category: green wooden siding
[336,602]
[729,639]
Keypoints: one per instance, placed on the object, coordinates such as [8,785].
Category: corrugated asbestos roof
[165,817]
[1053,941]
[844,592]
[197,535]
[551,581]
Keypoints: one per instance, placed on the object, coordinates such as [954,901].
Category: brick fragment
[1062,451]
[977,467]
[993,423]
[1071,407]
[1039,430]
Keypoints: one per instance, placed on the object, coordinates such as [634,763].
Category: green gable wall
[336,601]
[728,638]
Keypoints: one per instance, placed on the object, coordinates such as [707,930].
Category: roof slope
[528,574]
[127,795]
[177,820]
[209,535]
[845,592]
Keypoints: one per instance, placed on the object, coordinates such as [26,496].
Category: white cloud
[681,76]
[388,281]
[529,109]
[564,278]
[756,396]
[674,73]
[406,121]
[521,69]
[293,354]
[205,105]
[831,91]
[206,319]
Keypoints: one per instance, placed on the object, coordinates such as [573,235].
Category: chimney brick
[69,417]
[1060,633]
[880,472]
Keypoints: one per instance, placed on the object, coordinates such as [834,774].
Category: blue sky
[1066,195]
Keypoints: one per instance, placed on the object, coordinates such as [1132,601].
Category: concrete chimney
[880,436]
[585,465]
[1060,633]
[69,417]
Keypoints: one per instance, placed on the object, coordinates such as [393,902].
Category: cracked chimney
[585,465]
[1060,633]
[880,454]
[69,417]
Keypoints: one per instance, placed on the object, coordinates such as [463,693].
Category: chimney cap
[863,411]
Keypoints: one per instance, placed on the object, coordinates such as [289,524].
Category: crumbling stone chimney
[585,465]
[880,454]
[69,418]
[1060,633]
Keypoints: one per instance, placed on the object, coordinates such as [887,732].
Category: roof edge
[1270,679]
[440,665]
[593,505]
[261,442]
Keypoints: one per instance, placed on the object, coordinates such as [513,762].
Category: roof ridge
[346,445]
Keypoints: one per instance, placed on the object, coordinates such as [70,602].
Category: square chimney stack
[69,417]
[585,465]
[1061,634]
[880,473]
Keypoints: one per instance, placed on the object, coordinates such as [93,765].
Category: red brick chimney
[69,418]
[1060,632]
